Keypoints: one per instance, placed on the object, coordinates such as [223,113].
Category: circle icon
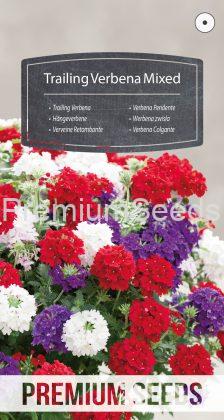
[205,22]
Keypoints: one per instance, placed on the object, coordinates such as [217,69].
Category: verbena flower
[209,304]
[191,360]
[131,357]
[17,308]
[69,276]
[211,252]
[35,164]
[23,229]
[55,368]
[8,365]
[114,266]
[60,246]
[171,239]
[80,161]
[9,275]
[48,327]
[94,237]
[86,333]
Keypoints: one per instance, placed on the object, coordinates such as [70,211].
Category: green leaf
[145,416]
[78,302]
[43,272]
[112,321]
[34,416]
[100,357]
[54,416]
[5,416]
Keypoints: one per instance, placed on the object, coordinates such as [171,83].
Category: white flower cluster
[17,308]
[94,236]
[5,146]
[183,289]
[12,122]
[189,266]
[86,333]
[80,161]
[211,252]
[23,228]
[36,165]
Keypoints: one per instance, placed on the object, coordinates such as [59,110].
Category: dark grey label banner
[114,102]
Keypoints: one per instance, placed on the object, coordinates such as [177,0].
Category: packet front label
[113,102]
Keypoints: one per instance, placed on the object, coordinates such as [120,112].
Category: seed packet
[111,238]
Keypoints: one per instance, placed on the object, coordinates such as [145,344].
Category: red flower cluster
[35,361]
[9,275]
[101,416]
[131,357]
[189,360]
[98,185]
[122,160]
[70,187]
[220,353]
[9,134]
[17,151]
[168,173]
[149,183]
[114,267]
[107,395]
[55,368]
[7,218]
[221,337]
[154,274]
[60,246]
[149,319]
[177,323]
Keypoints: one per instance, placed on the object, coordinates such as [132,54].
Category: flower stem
[198,274]
[126,321]
[127,195]
[155,345]
[59,296]
[117,298]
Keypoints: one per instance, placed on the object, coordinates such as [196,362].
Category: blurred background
[29,28]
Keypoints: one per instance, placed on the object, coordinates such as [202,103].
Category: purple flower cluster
[132,242]
[69,276]
[107,198]
[171,239]
[115,227]
[8,366]
[210,306]
[48,328]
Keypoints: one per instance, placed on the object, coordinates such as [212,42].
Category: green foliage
[35,416]
[54,416]
[143,416]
